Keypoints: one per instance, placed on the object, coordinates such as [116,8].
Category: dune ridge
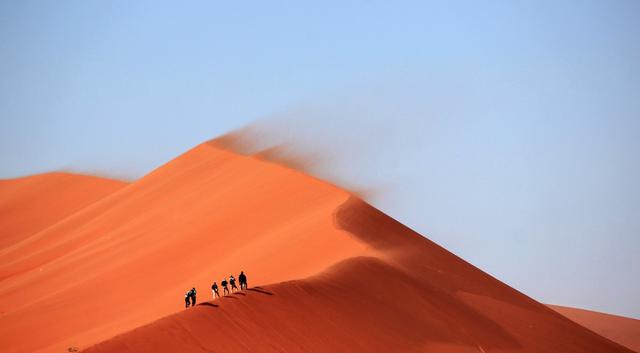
[329,273]
[407,295]
[623,330]
[197,217]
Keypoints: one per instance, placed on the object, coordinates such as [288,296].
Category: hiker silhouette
[225,290]
[214,289]
[242,278]
[192,294]
[187,297]
[232,282]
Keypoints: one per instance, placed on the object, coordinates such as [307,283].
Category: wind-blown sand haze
[327,273]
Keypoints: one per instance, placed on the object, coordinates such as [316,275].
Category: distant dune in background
[623,330]
[31,204]
[107,268]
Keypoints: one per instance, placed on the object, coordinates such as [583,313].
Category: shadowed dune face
[373,227]
[361,304]
[342,310]
[420,256]
[333,274]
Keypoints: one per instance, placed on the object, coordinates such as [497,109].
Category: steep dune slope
[128,258]
[623,330]
[337,274]
[407,295]
[31,204]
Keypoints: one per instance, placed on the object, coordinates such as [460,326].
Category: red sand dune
[31,204]
[623,330]
[335,274]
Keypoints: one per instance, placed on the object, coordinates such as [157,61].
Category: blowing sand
[327,273]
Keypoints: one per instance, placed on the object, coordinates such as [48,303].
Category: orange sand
[30,204]
[336,274]
[623,330]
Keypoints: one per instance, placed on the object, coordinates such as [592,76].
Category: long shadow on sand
[260,290]
[209,304]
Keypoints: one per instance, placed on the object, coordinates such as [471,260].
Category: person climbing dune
[192,293]
[225,289]
[242,278]
[232,282]
[187,297]
[214,290]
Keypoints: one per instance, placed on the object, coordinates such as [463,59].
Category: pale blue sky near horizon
[506,131]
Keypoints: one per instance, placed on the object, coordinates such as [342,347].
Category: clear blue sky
[507,131]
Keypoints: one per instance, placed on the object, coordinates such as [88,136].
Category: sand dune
[407,295]
[335,274]
[30,204]
[623,330]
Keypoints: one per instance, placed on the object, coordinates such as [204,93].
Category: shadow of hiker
[209,304]
[260,290]
[238,293]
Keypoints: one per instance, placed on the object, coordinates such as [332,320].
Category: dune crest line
[329,273]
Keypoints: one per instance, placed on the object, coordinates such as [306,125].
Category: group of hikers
[190,296]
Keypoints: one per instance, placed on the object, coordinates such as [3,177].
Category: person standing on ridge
[232,282]
[225,290]
[214,290]
[187,297]
[192,293]
[243,280]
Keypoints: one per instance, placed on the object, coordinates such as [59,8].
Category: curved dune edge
[332,274]
[620,329]
[127,259]
[409,296]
